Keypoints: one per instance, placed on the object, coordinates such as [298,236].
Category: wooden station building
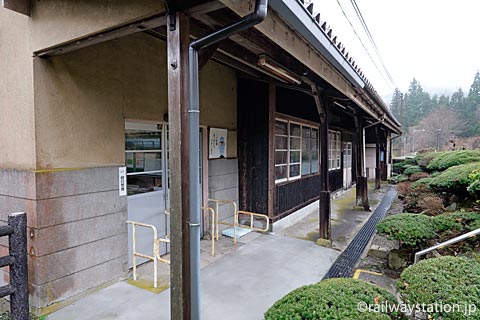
[286,118]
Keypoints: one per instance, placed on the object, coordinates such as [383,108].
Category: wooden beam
[20,6]
[378,169]
[178,41]
[205,54]
[205,8]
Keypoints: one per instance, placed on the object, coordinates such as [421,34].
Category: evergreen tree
[396,104]
[416,104]
[472,107]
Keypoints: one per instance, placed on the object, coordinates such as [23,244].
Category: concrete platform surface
[240,285]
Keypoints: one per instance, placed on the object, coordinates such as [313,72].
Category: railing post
[17,242]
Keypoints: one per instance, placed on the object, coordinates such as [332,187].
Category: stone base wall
[77,235]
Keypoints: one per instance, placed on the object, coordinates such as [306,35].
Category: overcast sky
[435,41]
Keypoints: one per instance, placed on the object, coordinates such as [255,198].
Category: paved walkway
[240,282]
[242,285]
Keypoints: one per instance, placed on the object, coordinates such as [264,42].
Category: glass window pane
[295,130]
[281,128]
[314,162]
[305,168]
[281,143]
[314,133]
[142,140]
[281,157]
[280,172]
[294,156]
[294,143]
[306,144]
[144,183]
[306,132]
[294,170]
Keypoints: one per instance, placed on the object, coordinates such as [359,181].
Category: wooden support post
[325,209]
[178,41]
[362,181]
[271,148]
[378,169]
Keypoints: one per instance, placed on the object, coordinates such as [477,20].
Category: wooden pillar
[362,181]
[378,169]
[272,92]
[178,40]
[325,208]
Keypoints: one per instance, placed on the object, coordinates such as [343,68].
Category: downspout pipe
[246,22]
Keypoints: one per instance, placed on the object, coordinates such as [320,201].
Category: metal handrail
[213,227]
[235,220]
[156,249]
[470,234]
[252,215]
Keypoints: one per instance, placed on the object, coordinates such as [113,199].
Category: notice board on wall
[217,143]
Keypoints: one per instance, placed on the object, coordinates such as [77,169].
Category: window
[296,150]
[347,155]
[334,150]
[143,159]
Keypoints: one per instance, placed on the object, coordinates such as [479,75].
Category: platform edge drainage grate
[345,264]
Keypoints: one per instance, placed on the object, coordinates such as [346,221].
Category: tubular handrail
[156,249]
[235,220]
[252,215]
[446,243]
[209,209]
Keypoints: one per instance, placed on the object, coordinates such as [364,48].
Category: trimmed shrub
[455,179]
[424,159]
[443,281]
[422,183]
[453,158]
[412,169]
[457,221]
[332,299]
[401,178]
[418,175]
[409,228]
[474,187]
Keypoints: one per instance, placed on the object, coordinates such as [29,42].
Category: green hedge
[456,221]
[424,182]
[331,299]
[409,228]
[455,179]
[453,158]
[444,280]
[424,159]
[474,186]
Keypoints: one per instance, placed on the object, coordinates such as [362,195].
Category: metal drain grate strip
[344,266]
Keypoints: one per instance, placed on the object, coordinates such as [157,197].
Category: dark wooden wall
[252,143]
[293,195]
[335,179]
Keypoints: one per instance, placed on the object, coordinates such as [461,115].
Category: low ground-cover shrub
[474,186]
[463,221]
[449,159]
[412,169]
[455,179]
[422,183]
[424,159]
[409,228]
[401,178]
[332,299]
[443,281]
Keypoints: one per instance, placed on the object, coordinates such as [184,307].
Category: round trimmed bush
[449,159]
[418,175]
[331,299]
[409,228]
[424,159]
[443,281]
[457,221]
[422,183]
[455,179]
[412,169]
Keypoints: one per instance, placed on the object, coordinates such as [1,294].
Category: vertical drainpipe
[194,124]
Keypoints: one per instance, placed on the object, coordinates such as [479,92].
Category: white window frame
[289,150]
[334,150]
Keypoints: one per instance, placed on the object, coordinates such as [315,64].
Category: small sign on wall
[217,143]
[122,181]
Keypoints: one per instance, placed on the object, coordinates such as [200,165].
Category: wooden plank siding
[294,195]
[253,144]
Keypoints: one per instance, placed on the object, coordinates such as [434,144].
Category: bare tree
[436,129]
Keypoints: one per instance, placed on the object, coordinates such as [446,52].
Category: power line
[369,35]
[363,45]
